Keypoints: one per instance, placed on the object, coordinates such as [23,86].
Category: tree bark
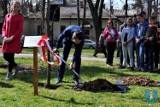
[84,14]
[78,16]
[96,12]
[48,54]
[4,7]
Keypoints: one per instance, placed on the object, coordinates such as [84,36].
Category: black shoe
[58,81]
[122,67]
[76,82]
[131,68]
[94,55]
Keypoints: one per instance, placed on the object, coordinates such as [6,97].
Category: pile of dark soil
[143,81]
[100,85]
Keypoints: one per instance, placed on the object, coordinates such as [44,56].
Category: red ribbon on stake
[43,43]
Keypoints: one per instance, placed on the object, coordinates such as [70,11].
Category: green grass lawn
[19,91]
[85,51]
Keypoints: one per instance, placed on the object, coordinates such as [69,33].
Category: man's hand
[5,39]
[150,38]
[124,43]
[55,50]
[137,40]
[71,65]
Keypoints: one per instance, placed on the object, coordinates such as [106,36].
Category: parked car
[89,44]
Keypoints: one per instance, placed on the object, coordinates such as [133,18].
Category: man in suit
[72,35]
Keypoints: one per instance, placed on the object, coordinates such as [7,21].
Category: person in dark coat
[101,48]
[149,44]
[72,35]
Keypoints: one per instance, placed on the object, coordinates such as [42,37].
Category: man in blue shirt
[140,33]
[72,35]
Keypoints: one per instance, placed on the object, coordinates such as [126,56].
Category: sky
[117,4]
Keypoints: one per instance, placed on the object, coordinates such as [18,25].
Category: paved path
[22,55]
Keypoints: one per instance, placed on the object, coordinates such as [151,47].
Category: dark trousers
[110,49]
[9,57]
[148,58]
[120,55]
[156,55]
[137,55]
[77,55]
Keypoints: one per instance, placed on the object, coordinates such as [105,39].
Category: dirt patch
[99,85]
[143,81]
[25,68]
[3,65]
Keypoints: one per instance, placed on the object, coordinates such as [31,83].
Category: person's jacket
[66,35]
[129,36]
[107,33]
[12,26]
[151,32]
[143,29]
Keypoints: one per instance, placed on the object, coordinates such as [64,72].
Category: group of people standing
[137,35]
[141,37]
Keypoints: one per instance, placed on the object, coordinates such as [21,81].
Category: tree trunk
[78,16]
[4,7]
[149,7]
[141,6]
[48,54]
[84,14]
[96,12]
[43,14]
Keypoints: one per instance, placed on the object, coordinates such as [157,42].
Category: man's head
[144,14]
[77,37]
[134,19]
[129,21]
[152,19]
[140,18]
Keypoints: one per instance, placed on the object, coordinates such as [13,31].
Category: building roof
[71,12]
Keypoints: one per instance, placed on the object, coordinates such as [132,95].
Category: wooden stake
[35,66]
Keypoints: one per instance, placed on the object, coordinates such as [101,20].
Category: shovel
[80,84]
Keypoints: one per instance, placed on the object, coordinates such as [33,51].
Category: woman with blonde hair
[127,38]
[11,33]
